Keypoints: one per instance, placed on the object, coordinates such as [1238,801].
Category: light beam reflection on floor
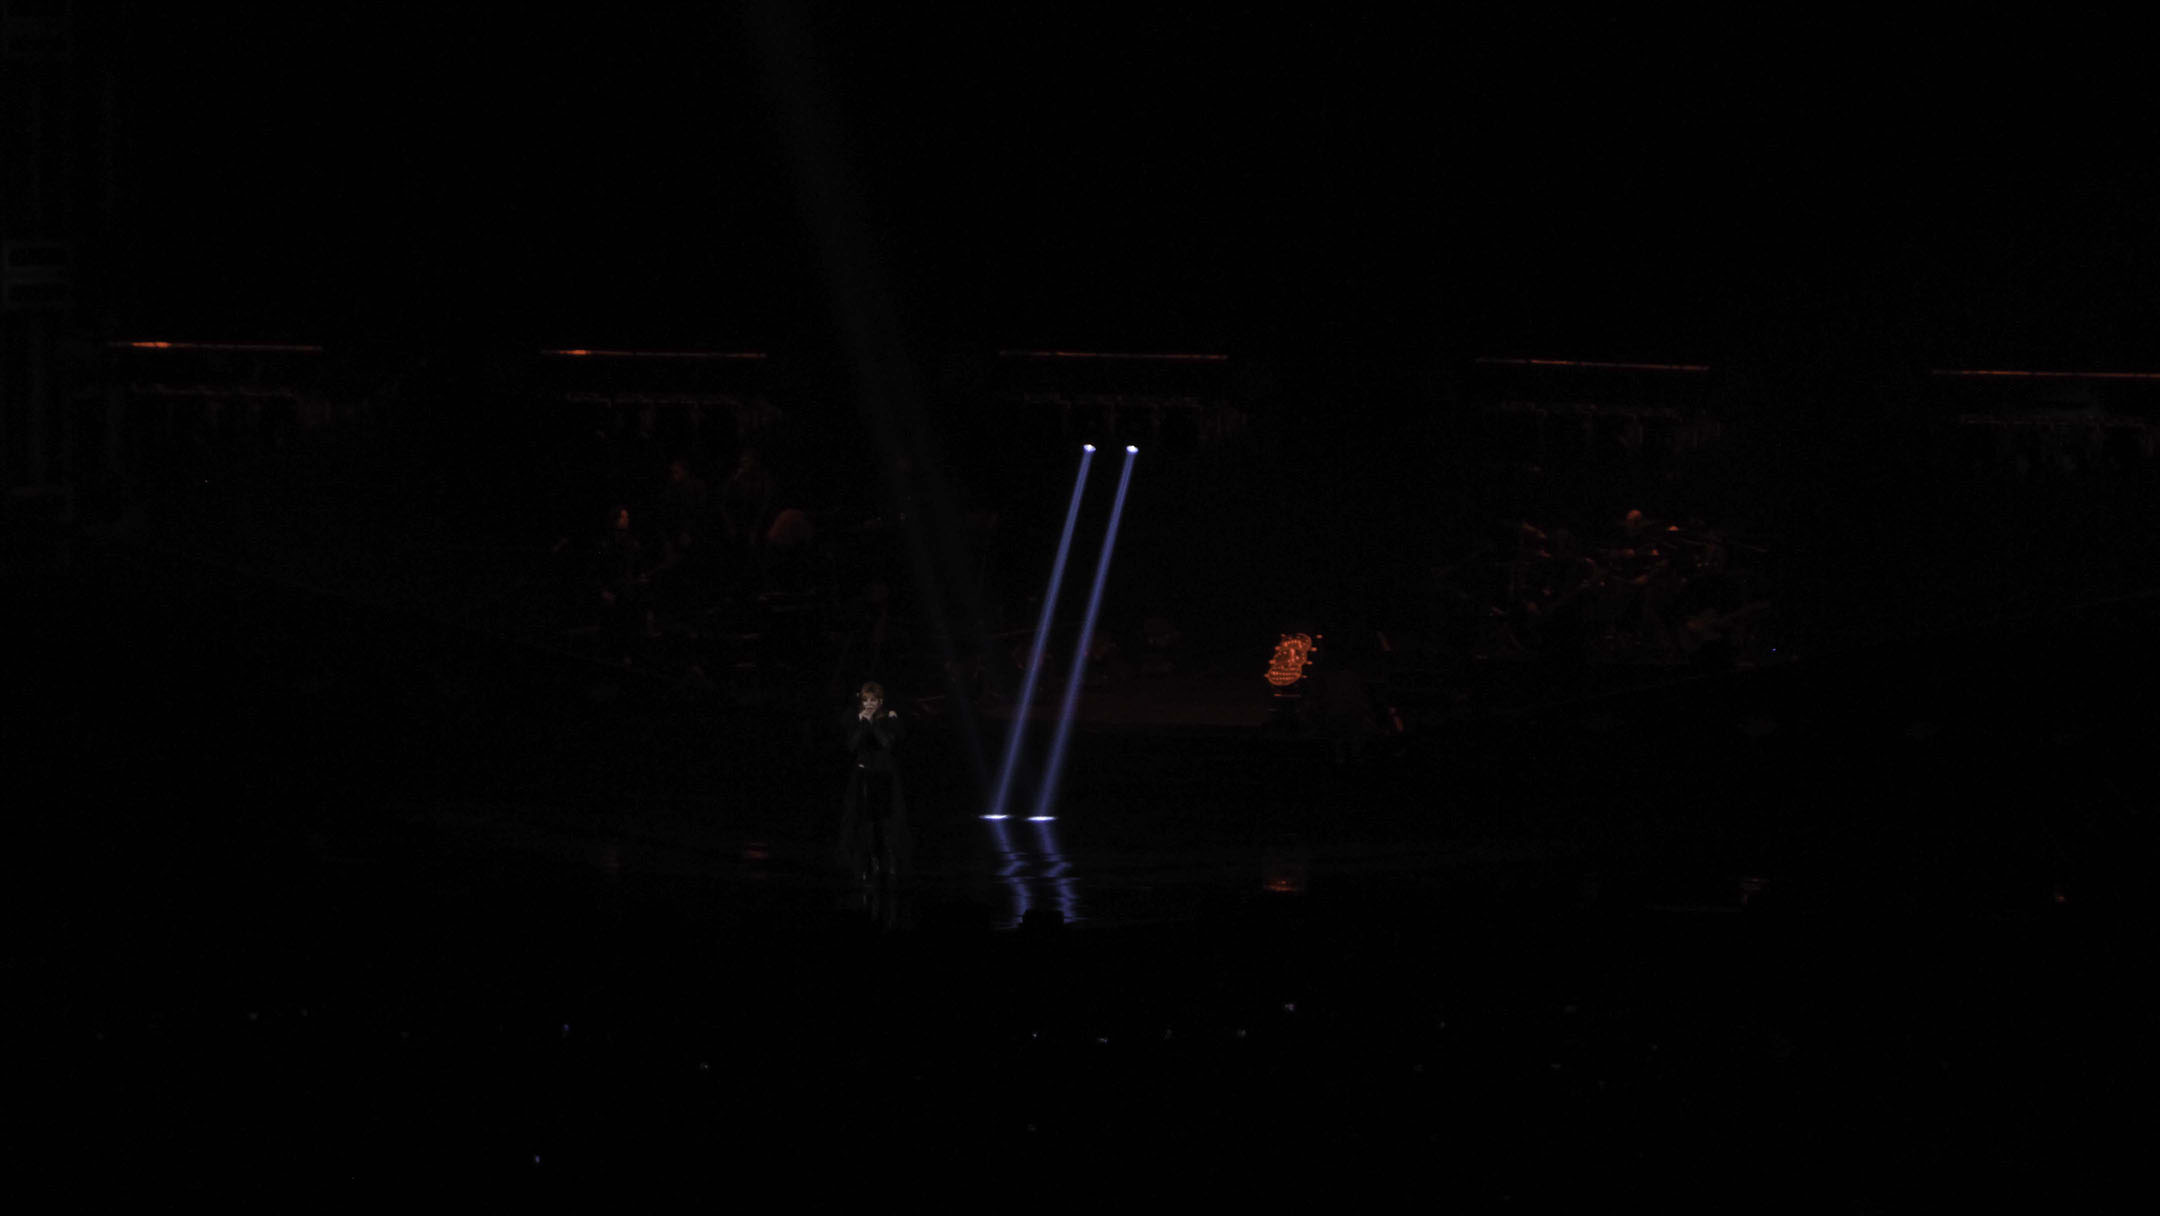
[1037,877]
[1065,888]
[1048,863]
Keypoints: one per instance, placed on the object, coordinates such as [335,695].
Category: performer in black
[873,827]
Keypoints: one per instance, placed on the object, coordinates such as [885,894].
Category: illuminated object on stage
[1285,873]
[1042,637]
[1047,795]
[1291,655]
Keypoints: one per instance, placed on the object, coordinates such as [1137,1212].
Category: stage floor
[402,912]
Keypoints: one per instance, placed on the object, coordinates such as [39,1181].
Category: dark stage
[1850,931]
[1601,646]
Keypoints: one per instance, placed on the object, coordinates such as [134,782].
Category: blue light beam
[1042,636]
[1047,795]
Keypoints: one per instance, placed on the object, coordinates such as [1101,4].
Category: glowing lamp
[1291,656]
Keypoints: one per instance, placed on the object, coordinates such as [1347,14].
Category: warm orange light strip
[1091,354]
[2047,375]
[1624,367]
[660,354]
[250,346]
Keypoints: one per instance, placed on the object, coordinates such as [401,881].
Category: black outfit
[875,803]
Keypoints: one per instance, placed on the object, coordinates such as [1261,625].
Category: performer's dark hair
[873,688]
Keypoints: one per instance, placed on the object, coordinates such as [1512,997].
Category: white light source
[1131,448]
[997,816]
[1041,818]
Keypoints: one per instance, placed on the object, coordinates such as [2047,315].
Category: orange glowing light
[1291,655]
[286,347]
[1284,875]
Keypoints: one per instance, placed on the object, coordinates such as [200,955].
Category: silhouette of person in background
[684,500]
[621,575]
[788,545]
[746,500]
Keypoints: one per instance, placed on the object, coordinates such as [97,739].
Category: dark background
[260,884]
[1383,189]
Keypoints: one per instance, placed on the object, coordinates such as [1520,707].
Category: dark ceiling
[1025,174]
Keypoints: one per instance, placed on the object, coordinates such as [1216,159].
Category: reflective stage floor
[313,896]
